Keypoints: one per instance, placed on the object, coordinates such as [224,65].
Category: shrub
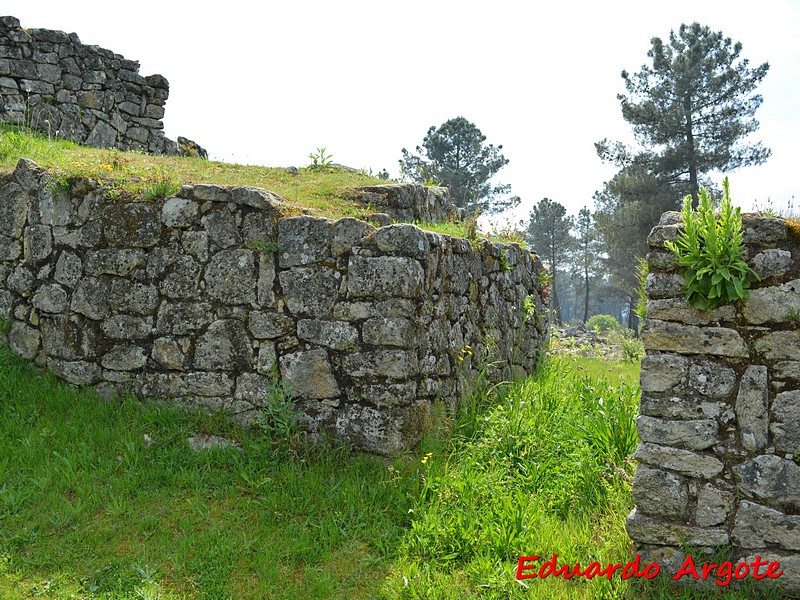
[600,323]
[710,252]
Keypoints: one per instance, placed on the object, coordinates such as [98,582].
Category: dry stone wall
[207,296]
[52,82]
[719,459]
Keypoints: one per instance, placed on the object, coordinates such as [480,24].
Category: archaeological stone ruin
[208,296]
[719,459]
[49,80]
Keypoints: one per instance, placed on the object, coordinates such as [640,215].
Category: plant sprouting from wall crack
[710,252]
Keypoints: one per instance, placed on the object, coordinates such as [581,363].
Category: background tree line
[691,108]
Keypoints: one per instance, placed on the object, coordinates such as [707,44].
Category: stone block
[652,530]
[13,210]
[169,354]
[183,279]
[127,327]
[384,394]
[223,347]
[393,364]
[230,277]
[384,277]
[114,261]
[124,358]
[785,423]
[711,379]
[387,431]
[389,331]
[337,335]
[270,325]
[179,213]
[772,304]
[309,375]
[310,291]
[769,477]
[181,318]
[692,435]
[772,263]
[61,337]
[221,228]
[779,345]
[50,298]
[23,339]
[304,241]
[131,225]
[69,269]
[758,526]
[662,372]
[37,243]
[657,492]
[663,285]
[690,339]
[713,506]
[76,372]
[347,233]
[751,408]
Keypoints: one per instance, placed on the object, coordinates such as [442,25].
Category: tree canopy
[548,233]
[693,107]
[455,155]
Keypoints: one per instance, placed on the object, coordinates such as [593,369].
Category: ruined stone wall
[720,413]
[54,83]
[207,296]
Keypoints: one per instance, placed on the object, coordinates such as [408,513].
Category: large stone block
[785,425]
[270,325]
[713,506]
[61,337]
[24,339]
[662,372]
[113,261]
[751,408]
[179,213]
[389,331]
[37,243]
[13,210]
[183,279]
[384,277]
[309,375]
[677,309]
[127,327]
[224,347]
[692,435]
[230,277]
[338,335]
[394,364]
[387,431]
[304,241]
[657,492]
[69,269]
[181,318]
[711,379]
[772,304]
[310,291]
[124,358]
[757,526]
[690,339]
[50,298]
[691,464]
[769,477]
[779,345]
[222,229]
[651,530]
[131,225]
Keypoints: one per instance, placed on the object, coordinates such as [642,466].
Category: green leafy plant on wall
[710,252]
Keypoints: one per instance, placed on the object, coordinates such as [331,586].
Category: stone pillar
[719,470]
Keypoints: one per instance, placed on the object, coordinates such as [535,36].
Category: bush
[710,252]
[600,323]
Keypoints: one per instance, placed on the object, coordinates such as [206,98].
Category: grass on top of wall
[322,192]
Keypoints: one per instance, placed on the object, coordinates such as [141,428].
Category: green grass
[323,192]
[104,500]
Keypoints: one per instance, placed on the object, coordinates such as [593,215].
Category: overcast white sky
[269,82]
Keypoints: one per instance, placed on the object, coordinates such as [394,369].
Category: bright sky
[270,82]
